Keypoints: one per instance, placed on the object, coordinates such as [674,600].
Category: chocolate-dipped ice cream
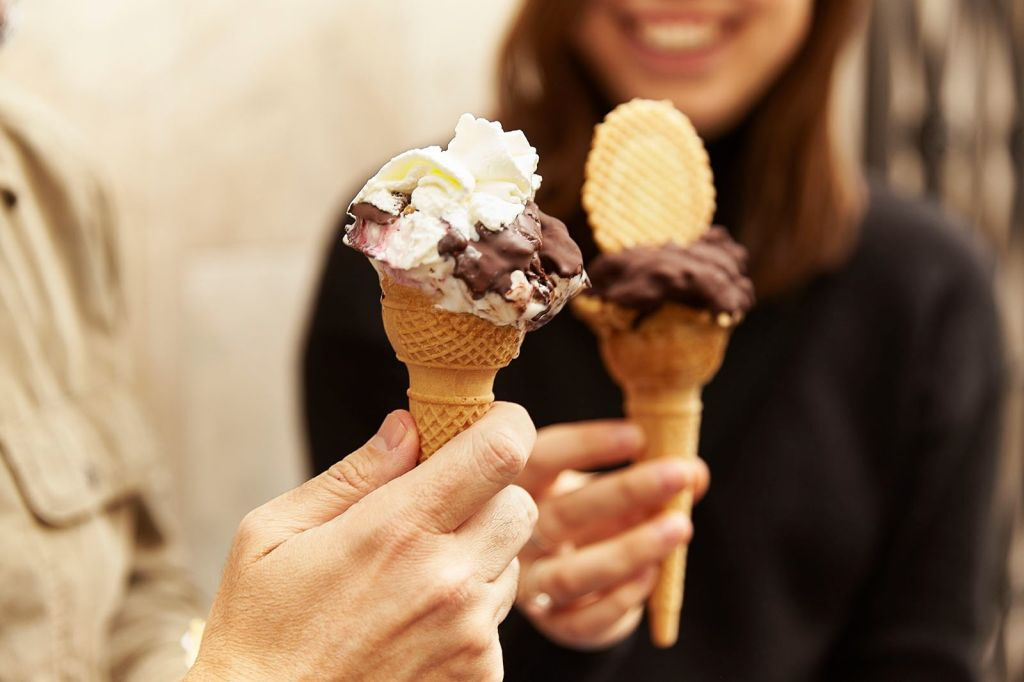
[708,274]
[460,224]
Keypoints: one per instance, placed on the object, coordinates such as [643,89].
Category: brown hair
[802,199]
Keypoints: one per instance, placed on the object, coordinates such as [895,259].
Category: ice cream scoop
[467,263]
[460,225]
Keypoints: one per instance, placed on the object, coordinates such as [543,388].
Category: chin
[710,122]
[711,114]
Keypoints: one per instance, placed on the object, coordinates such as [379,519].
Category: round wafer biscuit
[648,179]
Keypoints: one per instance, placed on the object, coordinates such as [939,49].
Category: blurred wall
[232,131]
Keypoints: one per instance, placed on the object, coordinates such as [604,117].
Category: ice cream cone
[661,362]
[452,359]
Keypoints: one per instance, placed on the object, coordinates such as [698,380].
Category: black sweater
[851,436]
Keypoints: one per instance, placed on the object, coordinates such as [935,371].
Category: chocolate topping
[534,242]
[451,242]
[369,212]
[558,252]
[709,273]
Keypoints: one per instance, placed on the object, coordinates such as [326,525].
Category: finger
[580,445]
[497,533]
[451,486]
[617,525]
[597,532]
[613,615]
[386,456]
[505,587]
[603,565]
[640,488]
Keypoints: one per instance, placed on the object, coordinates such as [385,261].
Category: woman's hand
[375,570]
[596,548]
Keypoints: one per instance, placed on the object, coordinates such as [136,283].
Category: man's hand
[376,570]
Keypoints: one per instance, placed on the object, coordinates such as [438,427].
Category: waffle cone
[662,364]
[452,359]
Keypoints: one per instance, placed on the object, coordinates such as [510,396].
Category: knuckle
[354,474]
[514,519]
[560,515]
[501,455]
[636,485]
[560,584]
[624,565]
[471,642]
[399,539]
[523,506]
[454,588]
[477,637]
[250,526]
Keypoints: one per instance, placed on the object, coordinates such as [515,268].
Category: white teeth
[678,36]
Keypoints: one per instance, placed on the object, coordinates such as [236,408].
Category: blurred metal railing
[944,118]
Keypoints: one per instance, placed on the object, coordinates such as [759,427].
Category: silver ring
[541,602]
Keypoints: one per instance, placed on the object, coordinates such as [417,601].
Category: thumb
[389,454]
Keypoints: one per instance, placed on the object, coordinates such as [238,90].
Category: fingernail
[391,433]
[673,527]
[673,475]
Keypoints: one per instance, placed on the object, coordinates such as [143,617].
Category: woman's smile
[675,44]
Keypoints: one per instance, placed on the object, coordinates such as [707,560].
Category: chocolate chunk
[451,243]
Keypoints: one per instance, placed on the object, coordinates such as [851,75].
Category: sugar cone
[452,359]
[661,363]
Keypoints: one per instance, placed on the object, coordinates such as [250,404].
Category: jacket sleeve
[351,378]
[931,602]
[159,603]
[160,599]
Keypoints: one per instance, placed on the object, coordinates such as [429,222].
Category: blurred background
[232,132]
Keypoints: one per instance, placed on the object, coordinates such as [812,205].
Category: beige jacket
[91,584]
